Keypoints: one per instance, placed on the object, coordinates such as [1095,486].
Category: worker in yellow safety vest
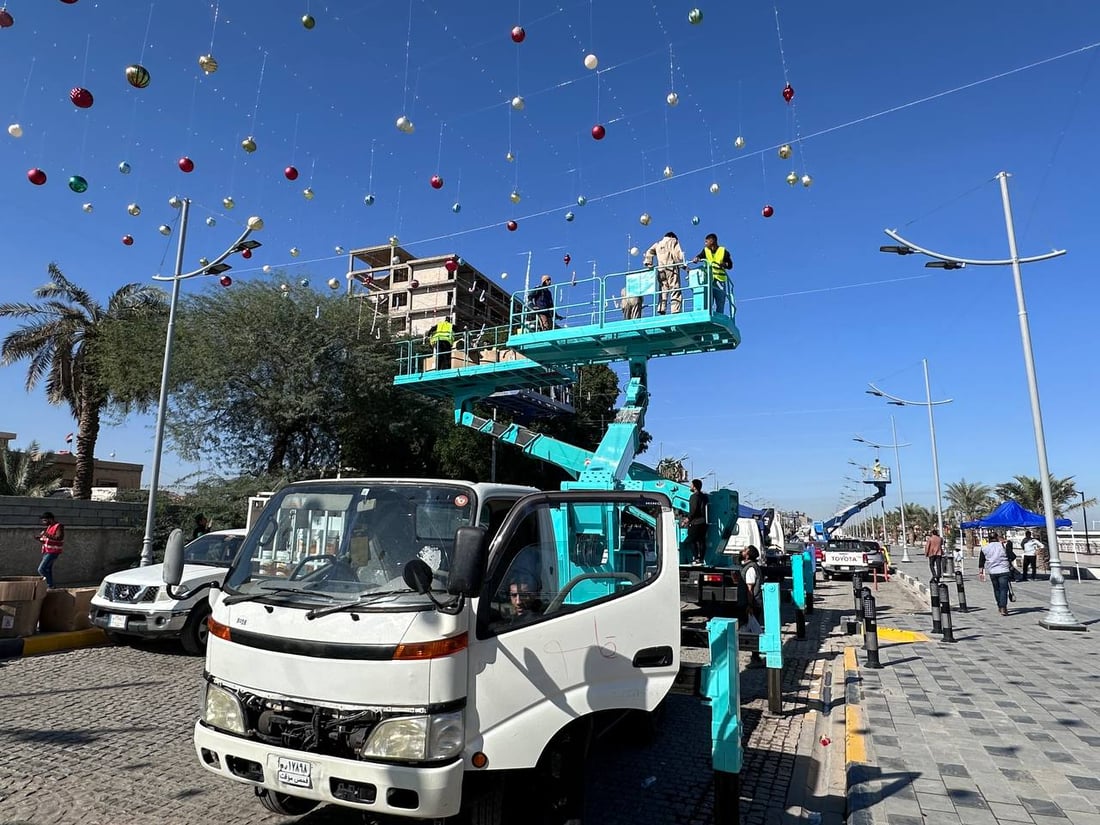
[441,337]
[718,266]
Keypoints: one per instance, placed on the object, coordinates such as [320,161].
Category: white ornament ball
[368,200]
[333,283]
[267,267]
[339,250]
[581,200]
[591,62]
[715,188]
[504,276]
[255,223]
[295,252]
[695,17]
[518,103]
[667,172]
[15,130]
[807,181]
[509,157]
[644,219]
[403,124]
[694,220]
[87,207]
[210,222]
[634,251]
[739,142]
[672,98]
[165,229]
[124,168]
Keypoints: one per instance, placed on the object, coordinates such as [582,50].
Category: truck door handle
[653,657]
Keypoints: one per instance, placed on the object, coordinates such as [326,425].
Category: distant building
[119,475]
[412,294]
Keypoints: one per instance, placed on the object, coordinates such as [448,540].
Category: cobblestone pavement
[1000,727]
[103,737]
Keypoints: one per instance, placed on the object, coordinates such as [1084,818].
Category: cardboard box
[489,356]
[66,609]
[20,603]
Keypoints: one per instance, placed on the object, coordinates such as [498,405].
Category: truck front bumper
[432,792]
[147,624]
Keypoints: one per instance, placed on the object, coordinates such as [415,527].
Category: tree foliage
[1028,493]
[27,472]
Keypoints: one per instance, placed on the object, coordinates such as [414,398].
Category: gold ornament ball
[394,240]
[715,188]
[672,98]
[739,142]
[509,157]
[404,125]
[644,219]
[695,17]
[667,172]
[255,223]
[208,64]
[807,181]
[307,193]
[333,283]
[518,103]
[591,62]
[249,144]
[228,203]
[134,209]
[308,22]
[785,151]
[295,252]
[792,178]
[515,197]
[165,229]
[15,130]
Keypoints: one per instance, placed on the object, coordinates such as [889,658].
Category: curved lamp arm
[894,399]
[202,270]
[969,262]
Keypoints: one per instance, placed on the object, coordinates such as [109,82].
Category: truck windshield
[348,539]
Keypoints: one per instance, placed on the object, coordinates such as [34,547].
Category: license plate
[116,621]
[295,772]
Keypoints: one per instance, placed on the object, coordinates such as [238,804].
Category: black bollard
[775,690]
[809,602]
[799,623]
[962,591]
[857,590]
[945,612]
[934,591]
[870,629]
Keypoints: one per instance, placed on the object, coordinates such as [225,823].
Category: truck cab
[398,646]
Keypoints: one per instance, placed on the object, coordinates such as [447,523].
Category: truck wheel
[284,803]
[559,777]
[193,636]
[487,807]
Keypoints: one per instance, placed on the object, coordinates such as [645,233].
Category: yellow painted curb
[53,642]
[894,634]
[855,728]
[850,661]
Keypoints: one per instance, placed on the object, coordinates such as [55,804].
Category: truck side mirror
[418,576]
[172,570]
[468,561]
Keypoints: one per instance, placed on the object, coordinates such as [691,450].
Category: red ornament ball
[414,284]
[36,176]
[512,226]
[767,211]
[225,280]
[6,20]
[566,260]
[128,240]
[291,173]
[186,164]
[598,132]
[451,265]
[437,182]
[68,2]
[246,253]
[518,34]
[81,98]
[788,93]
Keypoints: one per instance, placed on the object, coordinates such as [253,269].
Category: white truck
[425,649]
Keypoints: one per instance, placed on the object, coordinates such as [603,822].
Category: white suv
[135,603]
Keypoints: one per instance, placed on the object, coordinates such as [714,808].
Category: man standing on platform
[719,264]
[670,260]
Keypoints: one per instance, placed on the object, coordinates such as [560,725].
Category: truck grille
[129,593]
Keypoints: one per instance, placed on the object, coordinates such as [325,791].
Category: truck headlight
[221,709]
[417,738]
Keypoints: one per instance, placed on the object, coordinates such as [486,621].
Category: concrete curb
[857,759]
[51,643]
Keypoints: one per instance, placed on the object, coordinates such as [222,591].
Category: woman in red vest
[53,542]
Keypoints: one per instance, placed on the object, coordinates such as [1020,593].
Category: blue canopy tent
[1011,514]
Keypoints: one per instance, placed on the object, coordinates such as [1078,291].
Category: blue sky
[902,117]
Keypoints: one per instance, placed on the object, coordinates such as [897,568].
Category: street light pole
[1085,519]
[935,460]
[1059,616]
[178,276]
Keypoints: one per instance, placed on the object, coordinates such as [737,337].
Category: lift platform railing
[471,347]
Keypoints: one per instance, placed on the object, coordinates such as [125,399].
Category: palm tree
[1028,493]
[60,341]
[968,500]
[27,473]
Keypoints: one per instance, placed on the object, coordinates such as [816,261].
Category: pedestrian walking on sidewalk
[53,542]
[994,560]
[1031,555]
[933,550]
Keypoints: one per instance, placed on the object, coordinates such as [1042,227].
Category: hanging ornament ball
[451,265]
[672,98]
[87,207]
[81,98]
[509,157]
[295,252]
[284,288]
[394,240]
[333,283]
[186,164]
[405,125]
[518,34]
[137,76]
[644,219]
[807,181]
[290,173]
[164,229]
[228,202]
[566,259]
[695,17]
[267,268]
[515,197]
[792,178]
[175,202]
[210,221]
[518,103]
[368,200]
[715,188]
[785,151]
[667,172]
[694,220]
[78,184]
[124,168]
[303,283]
[436,182]
[512,226]
[225,280]
[414,284]
[598,132]
[204,262]
[633,251]
[788,93]
[6,20]
[249,144]
[307,193]
[456,207]
[591,62]
[15,130]
[128,240]
[504,276]
[739,142]
[569,216]
[308,22]
[581,200]
[767,211]
[246,253]
[134,209]
[36,176]
[208,64]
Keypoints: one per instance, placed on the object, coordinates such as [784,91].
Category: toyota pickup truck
[848,556]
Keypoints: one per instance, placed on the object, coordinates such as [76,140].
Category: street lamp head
[874,392]
[860,439]
[250,244]
[945,265]
[896,250]
[218,269]
[896,403]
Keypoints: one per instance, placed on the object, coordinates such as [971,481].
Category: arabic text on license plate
[116,621]
[295,772]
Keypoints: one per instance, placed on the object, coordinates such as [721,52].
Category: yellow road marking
[855,728]
[894,634]
[51,642]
